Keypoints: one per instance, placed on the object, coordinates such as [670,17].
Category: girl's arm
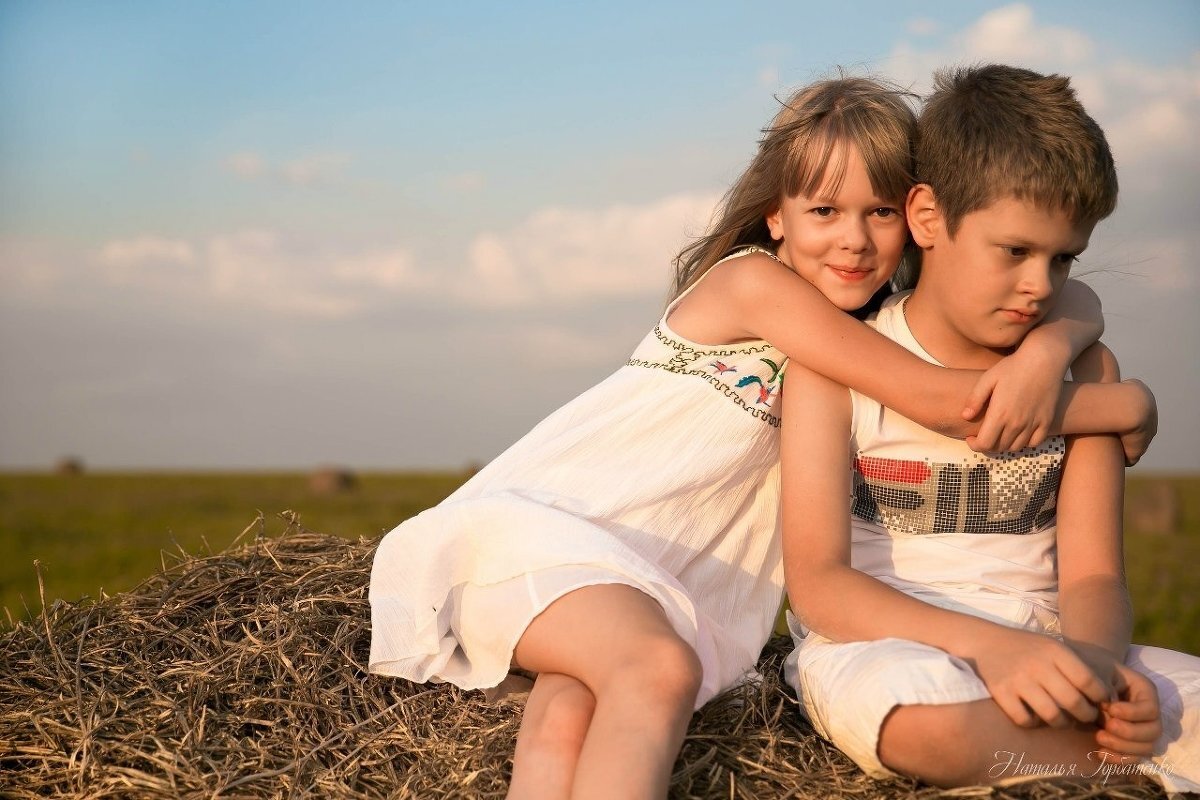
[1022,670]
[771,302]
[1027,384]
[1094,605]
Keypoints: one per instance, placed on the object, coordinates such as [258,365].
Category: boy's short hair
[994,131]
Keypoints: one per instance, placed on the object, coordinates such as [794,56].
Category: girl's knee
[664,669]
[561,720]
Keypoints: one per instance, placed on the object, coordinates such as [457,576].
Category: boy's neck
[938,336]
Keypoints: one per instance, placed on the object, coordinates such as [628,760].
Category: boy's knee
[933,743]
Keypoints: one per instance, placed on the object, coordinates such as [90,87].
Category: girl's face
[847,245]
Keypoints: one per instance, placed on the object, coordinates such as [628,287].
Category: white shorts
[846,690]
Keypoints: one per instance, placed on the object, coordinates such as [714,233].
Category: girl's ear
[775,223]
[924,216]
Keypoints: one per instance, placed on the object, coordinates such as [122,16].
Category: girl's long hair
[797,156]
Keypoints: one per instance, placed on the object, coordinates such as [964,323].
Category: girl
[625,550]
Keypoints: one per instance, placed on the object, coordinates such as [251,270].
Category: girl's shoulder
[743,274]
[715,308]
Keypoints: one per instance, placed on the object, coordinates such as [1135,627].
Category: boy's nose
[1036,281]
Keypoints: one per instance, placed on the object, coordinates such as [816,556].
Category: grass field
[107,531]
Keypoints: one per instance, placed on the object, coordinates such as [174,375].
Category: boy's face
[998,276]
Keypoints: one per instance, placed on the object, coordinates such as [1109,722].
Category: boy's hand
[1131,724]
[1037,679]
[1020,395]
[1136,441]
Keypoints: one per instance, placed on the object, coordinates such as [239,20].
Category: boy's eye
[1065,260]
[1017,252]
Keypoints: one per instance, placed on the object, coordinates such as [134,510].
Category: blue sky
[269,234]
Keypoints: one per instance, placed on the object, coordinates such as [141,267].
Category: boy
[970,623]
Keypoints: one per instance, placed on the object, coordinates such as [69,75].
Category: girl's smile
[846,241]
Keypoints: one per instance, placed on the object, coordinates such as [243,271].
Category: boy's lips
[1020,315]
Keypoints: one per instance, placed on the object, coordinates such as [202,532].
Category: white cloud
[1147,111]
[468,182]
[555,258]
[310,170]
[246,165]
[550,348]
[147,250]
[1009,34]
[923,26]
[28,267]
[392,270]
[768,77]
[560,255]
[262,270]
[313,169]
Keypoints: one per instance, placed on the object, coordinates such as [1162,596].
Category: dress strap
[738,253]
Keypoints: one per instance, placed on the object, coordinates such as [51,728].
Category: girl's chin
[852,301]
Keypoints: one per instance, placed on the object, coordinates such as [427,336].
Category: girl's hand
[1131,724]
[1020,395]
[1037,679]
[1136,441]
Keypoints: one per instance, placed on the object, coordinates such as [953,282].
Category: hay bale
[331,480]
[69,465]
[243,674]
[1154,507]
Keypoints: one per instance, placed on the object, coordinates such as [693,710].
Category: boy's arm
[1022,670]
[1023,389]
[1093,599]
[773,303]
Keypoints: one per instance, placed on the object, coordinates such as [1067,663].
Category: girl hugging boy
[626,553]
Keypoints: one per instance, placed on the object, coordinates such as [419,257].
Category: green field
[108,531]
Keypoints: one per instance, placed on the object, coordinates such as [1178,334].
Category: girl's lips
[845,273]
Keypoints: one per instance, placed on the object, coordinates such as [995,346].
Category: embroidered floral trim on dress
[684,362]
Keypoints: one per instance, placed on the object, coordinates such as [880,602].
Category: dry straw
[243,675]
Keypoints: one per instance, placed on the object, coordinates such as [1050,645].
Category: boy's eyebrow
[1021,240]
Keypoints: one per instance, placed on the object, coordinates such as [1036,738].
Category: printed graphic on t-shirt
[1010,493]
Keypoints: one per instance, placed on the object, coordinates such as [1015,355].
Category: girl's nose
[854,235]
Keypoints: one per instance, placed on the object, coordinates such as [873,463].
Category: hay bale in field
[68,465]
[243,674]
[331,480]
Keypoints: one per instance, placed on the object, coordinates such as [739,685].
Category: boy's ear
[775,223]
[924,215]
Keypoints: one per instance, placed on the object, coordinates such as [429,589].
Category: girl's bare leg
[553,726]
[617,642]
[967,744]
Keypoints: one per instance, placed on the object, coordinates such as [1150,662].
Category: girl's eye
[823,211]
[886,212]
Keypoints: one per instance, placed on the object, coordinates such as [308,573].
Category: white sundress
[664,477]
